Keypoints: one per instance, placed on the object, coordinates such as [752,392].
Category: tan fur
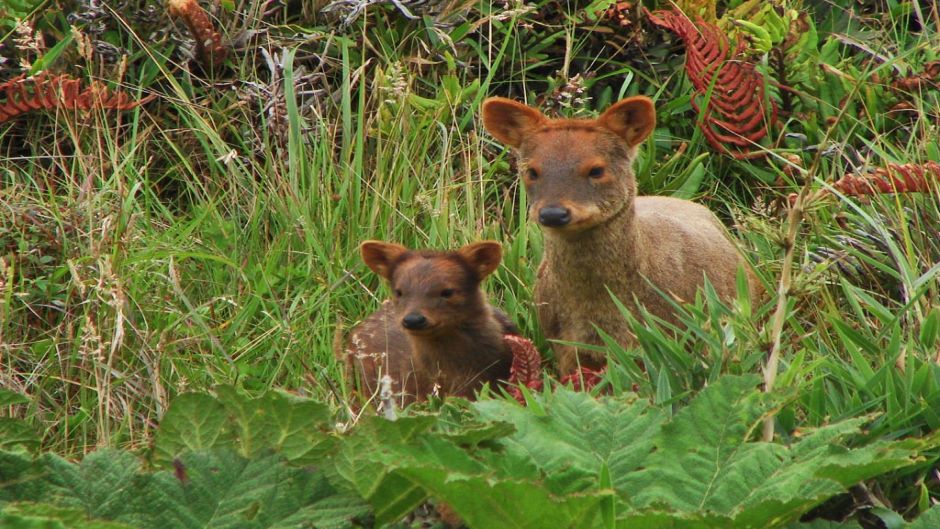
[463,346]
[615,240]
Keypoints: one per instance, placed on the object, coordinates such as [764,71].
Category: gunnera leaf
[195,421]
[484,502]
[9,397]
[577,435]
[16,434]
[215,488]
[292,428]
[45,516]
[396,464]
[704,466]
[295,429]
[365,460]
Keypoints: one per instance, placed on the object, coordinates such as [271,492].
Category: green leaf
[578,435]
[824,524]
[213,488]
[273,422]
[294,428]
[17,434]
[44,516]
[365,459]
[703,460]
[8,397]
[928,520]
[193,422]
[487,503]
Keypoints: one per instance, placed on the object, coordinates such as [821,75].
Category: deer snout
[414,321]
[554,216]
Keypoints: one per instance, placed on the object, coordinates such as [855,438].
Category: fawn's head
[434,292]
[578,173]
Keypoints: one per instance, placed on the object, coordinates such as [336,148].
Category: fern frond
[23,94]
[526,369]
[738,113]
[210,51]
[894,178]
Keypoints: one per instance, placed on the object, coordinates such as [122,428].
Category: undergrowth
[209,237]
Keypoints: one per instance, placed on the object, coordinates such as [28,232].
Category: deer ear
[510,121]
[381,256]
[633,119]
[483,257]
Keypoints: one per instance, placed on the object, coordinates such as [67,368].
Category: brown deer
[600,238]
[438,334]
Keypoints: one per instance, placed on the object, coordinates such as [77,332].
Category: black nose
[554,216]
[414,321]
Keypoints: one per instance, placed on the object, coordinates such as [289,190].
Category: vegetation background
[209,235]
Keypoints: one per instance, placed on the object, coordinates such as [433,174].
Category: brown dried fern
[736,116]
[44,91]
[895,178]
[210,51]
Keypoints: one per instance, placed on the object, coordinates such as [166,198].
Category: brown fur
[615,240]
[462,347]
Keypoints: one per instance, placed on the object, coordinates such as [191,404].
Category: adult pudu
[438,334]
[599,236]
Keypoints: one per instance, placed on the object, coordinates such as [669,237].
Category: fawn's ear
[510,121]
[380,256]
[633,119]
[483,257]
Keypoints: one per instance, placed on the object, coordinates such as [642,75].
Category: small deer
[600,238]
[438,334]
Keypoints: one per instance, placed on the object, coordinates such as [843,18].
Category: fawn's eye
[596,172]
[532,174]
[397,292]
[447,292]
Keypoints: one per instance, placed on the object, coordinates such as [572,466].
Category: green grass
[211,237]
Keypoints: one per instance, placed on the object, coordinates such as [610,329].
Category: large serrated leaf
[16,434]
[489,503]
[366,461]
[273,422]
[45,516]
[702,459]
[704,465]
[207,489]
[9,397]
[578,435]
[194,422]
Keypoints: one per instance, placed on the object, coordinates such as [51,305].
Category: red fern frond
[22,94]
[526,367]
[584,379]
[895,178]
[735,117]
[210,51]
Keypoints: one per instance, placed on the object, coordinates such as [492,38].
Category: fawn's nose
[414,321]
[554,216]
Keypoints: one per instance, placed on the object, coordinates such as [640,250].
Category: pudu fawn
[578,174]
[438,334]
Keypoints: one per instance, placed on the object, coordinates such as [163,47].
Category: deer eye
[596,172]
[532,174]
[397,292]
[447,292]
